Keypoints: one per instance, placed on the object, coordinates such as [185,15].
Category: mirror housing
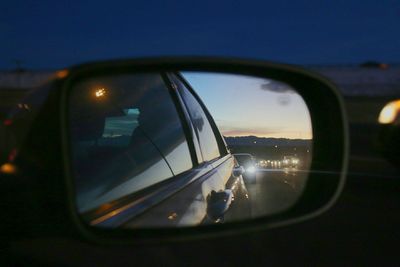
[218,204]
[50,173]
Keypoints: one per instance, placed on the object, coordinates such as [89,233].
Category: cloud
[277,87]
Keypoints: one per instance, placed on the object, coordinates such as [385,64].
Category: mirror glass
[177,149]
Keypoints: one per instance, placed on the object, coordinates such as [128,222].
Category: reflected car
[247,161]
[145,151]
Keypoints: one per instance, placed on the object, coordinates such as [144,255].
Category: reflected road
[275,190]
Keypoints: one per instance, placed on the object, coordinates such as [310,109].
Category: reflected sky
[244,105]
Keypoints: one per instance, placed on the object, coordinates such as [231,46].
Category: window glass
[122,125]
[204,131]
[126,136]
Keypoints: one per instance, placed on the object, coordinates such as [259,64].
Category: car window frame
[222,147]
[187,126]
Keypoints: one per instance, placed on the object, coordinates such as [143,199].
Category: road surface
[275,190]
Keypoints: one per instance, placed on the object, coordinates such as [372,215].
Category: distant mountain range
[265,141]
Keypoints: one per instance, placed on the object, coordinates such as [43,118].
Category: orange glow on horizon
[259,134]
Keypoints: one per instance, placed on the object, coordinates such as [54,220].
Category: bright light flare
[101,92]
[389,112]
[251,169]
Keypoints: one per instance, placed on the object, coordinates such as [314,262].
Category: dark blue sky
[53,34]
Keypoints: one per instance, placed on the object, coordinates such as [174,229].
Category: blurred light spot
[389,112]
[172,216]
[23,106]
[8,168]
[62,74]
[100,92]
[7,122]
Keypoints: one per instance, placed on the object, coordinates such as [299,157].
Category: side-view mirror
[218,204]
[238,170]
[137,149]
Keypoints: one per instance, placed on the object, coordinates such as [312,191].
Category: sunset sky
[243,105]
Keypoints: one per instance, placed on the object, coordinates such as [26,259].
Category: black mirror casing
[53,184]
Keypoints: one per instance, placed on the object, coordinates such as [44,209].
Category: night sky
[54,34]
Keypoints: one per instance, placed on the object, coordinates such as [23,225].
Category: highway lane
[275,190]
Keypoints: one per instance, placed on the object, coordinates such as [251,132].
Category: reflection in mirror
[185,149]
[267,127]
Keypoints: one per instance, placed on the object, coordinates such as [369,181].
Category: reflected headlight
[251,169]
